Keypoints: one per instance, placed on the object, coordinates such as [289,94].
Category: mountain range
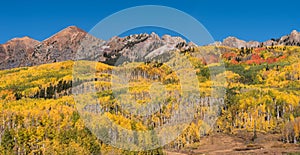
[73,43]
[293,39]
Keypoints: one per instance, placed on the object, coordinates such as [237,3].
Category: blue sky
[249,20]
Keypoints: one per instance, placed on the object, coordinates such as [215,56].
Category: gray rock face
[73,43]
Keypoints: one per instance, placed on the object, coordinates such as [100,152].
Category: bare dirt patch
[241,142]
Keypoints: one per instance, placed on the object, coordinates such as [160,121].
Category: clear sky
[249,20]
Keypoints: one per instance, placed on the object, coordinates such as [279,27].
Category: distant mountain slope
[293,39]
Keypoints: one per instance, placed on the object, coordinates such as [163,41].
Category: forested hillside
[39,114]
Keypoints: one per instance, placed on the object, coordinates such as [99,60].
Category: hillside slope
[40,115]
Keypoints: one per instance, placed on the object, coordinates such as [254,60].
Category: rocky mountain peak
[15,52]
[24,40]
[71,29]
[61,46]
[294,32]
[293,39]
[238,43]
[295,36]
[170,39]
[154,36]
[68,33]
[233,42]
